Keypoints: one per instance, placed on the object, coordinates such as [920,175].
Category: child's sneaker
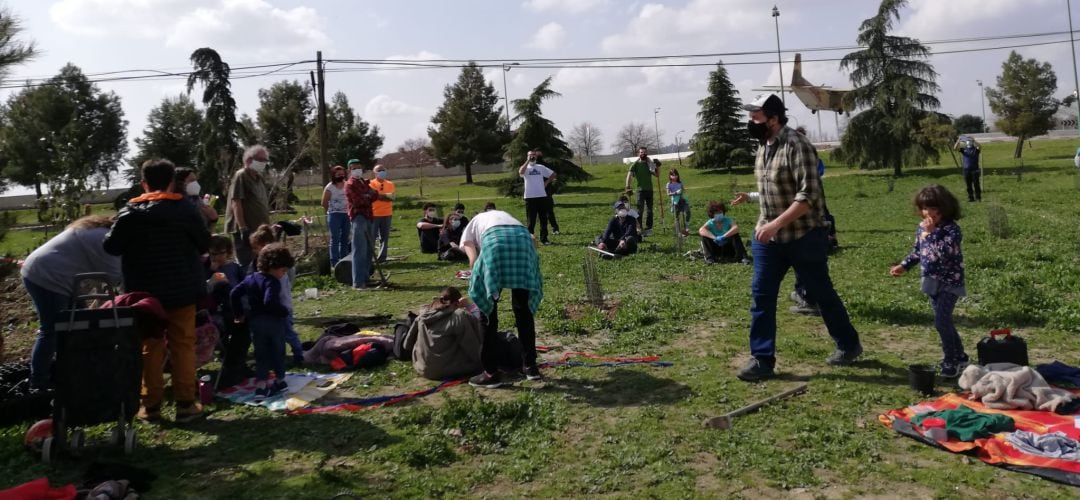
[952,369]
[278,387]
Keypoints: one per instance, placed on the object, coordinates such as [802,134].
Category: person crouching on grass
[937,251]
[266,316]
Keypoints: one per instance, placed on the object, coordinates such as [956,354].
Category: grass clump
[487,426]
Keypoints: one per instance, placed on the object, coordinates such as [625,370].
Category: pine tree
[1024,99]
[537,132]
[722,138]
[466,128]
[220,152]
[172,132]
[896,85]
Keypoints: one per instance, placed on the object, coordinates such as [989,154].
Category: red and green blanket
[996,450]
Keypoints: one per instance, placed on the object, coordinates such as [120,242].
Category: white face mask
[193,188]
[358,173]
[621,213]
[455,224]
[259,166]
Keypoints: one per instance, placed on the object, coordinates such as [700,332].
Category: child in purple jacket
[937,251]
[257,301]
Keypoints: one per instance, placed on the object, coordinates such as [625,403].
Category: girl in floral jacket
[937,251]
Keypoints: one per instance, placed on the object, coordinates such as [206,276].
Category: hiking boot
[952,369]
[841,357]
[486,380]
[189,412]
[533,373]
[805,310]
[756,370]
[149,415]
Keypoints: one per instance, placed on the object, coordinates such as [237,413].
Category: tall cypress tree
[722,138]
[220,152]
[466,128]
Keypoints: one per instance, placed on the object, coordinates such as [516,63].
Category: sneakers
[952,369]
[187,413]
[486,380]
[756,370]
[533,373]
[841,357]
[805,310]
[149,415]
[710,261]
[556,232]
[278,387]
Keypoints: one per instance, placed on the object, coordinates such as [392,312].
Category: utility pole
[1076,81]
[324,166]
[982,99]
[678,146]
[506,97]
[779,60]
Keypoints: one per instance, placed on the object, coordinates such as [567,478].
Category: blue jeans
[361,250]
[381,230]
[268,337]
[809,256]
[48,305]
[338,224]
[951,345]
[292,338]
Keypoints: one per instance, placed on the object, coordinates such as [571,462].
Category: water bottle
[206,390]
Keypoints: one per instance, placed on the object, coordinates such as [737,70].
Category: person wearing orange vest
[382,209]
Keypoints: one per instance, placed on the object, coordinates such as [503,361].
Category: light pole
[656,128]
[678,146]
[779,60]
[506,97]
[1076,81]
[982,99]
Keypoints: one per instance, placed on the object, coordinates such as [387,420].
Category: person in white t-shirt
[536,177]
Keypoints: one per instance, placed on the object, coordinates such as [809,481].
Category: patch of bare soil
[18,322]
[577,310]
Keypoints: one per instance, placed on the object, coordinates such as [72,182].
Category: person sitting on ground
[623,203]
[445,339]
[459,208]
[720,240]
[489,206]
[450,238]
[428,229]
[266,316]
[48,275]
[621,236]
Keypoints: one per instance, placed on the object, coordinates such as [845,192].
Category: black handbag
[1008,348]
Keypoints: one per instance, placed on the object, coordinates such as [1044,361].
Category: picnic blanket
[997,449]
[304,388]
[565,361]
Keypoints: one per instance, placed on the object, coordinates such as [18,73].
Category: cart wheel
[78,439]
[117,437]
[129,441]
[47,451]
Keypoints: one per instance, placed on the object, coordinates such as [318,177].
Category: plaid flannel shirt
[507,259]
[360,196]
[790,176]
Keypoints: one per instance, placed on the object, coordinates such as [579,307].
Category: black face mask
[339,178]
[759,131]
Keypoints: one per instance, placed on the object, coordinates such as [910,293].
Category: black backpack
[510,351]
[400,331]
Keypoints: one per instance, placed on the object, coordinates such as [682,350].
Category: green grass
[636,430]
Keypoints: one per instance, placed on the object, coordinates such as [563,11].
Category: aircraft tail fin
[797,79]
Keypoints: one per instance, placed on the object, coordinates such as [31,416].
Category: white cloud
[934,19]
[563,6]
[701,24]
[254,27]
[549,37]
[383,106]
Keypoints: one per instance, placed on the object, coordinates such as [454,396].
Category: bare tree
[417,152]
[585,140]
[634,135]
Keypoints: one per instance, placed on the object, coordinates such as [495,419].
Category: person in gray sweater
[445,339]
[48,274]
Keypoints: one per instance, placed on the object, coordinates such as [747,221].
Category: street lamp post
[1076,81]
[506,97]
[678,146]
[982,99]
[656,129]
[779,60]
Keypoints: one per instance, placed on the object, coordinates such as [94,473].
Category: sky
[113,35]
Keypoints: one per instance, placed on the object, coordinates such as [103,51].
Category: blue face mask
[718,218]
[382,174]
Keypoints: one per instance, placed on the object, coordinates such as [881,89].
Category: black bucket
[921,378]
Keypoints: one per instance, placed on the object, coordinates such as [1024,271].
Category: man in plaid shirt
[360,195]
[502,255]
[790,232]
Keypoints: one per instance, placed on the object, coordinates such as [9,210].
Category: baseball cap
[768,103]
[352,162]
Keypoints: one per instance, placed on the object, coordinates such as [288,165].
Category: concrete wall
[310,179]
